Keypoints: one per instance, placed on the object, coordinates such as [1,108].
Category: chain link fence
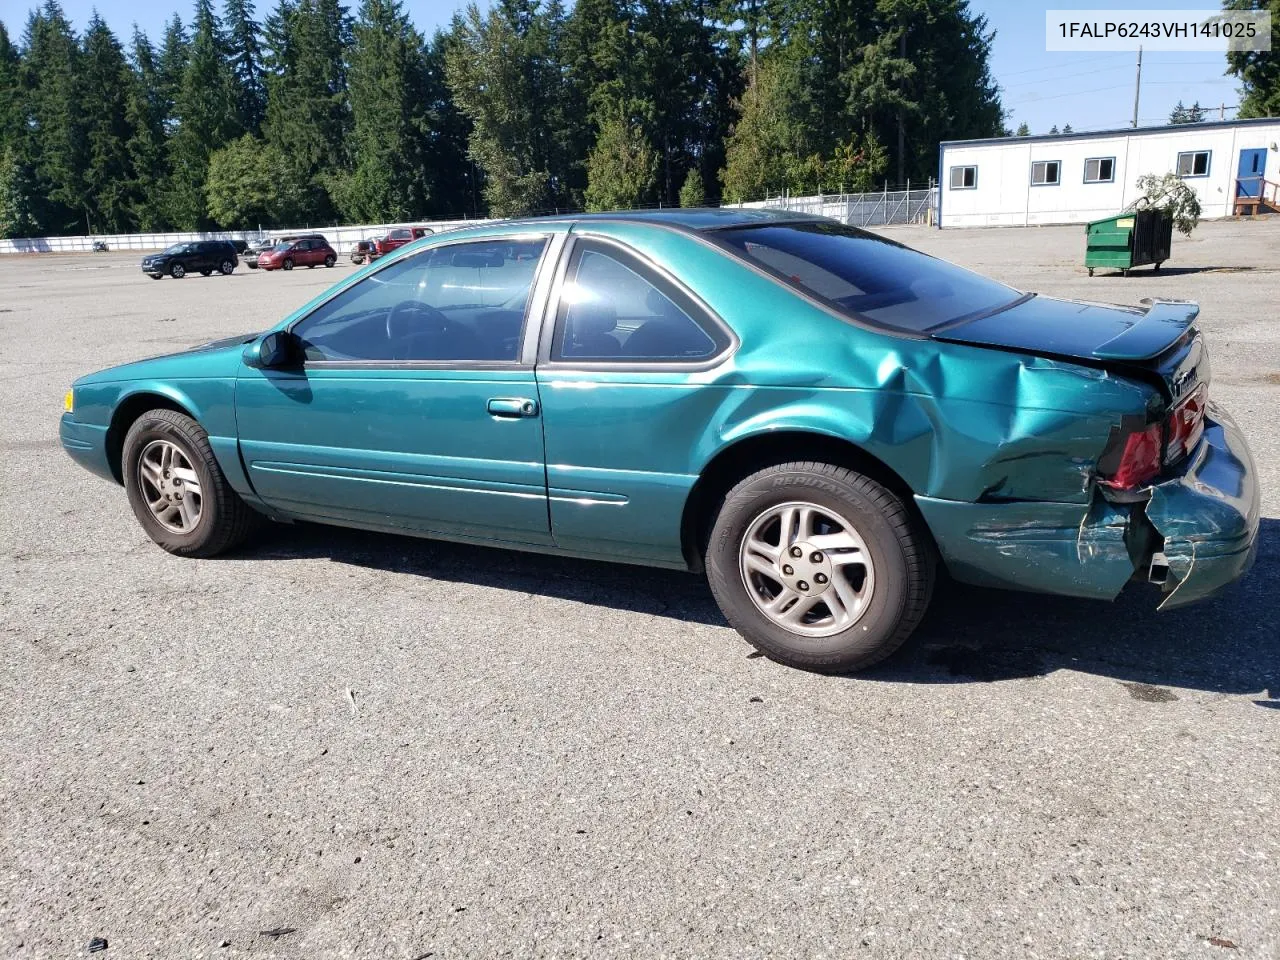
[862,209]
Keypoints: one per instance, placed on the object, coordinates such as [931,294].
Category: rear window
[868,277]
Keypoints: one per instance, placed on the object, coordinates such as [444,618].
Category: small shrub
[1170,195]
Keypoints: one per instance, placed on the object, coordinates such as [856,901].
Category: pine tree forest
[312,112]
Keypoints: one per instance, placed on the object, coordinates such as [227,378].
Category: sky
[1088,90]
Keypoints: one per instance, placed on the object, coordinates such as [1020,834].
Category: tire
[205,273]
[251,266]
[224,520]
[287,265]
[225,268]
[155,276]
[311,266]
[890,571]
[177,271]
[330,260]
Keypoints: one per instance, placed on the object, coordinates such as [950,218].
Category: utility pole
[1222,112]
[1137,88]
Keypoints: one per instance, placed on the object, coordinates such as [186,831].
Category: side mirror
[276,349]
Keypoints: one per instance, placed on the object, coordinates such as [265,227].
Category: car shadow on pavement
[1229,644]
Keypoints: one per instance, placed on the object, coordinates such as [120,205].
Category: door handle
[513,407]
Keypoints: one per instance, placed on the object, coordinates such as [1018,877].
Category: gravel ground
[348,745]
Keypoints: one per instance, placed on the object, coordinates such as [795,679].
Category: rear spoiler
[1163,325]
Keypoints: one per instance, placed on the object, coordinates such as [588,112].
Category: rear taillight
[1139,460]
[1185,425]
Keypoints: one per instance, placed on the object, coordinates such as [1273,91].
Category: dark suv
[203,256]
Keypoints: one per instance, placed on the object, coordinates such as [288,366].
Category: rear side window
[868,277]
[614,309]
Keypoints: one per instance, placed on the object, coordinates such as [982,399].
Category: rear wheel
[226,267]
[177,490]
[177,271]
[819,567]
[287,265]
[330,260]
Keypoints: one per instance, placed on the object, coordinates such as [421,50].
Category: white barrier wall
[341,239]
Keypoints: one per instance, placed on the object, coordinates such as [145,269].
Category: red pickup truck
[398,238]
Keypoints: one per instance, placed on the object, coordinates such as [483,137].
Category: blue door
[1253,165]
[415,405]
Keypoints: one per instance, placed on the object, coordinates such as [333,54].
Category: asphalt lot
[345,745]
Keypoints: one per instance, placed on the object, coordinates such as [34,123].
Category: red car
[305,252]
[399,237]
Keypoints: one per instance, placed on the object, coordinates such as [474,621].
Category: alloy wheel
[170,486]
[807,569]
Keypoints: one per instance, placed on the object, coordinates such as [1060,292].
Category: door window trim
[666,283]
[533,315]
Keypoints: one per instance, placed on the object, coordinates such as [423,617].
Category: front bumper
[1201,524]
[86,444]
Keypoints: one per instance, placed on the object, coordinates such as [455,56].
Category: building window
[1100,170]
[1046,173]
[964,178]
[1194,163]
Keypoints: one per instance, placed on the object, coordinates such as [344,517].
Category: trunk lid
[1159,343]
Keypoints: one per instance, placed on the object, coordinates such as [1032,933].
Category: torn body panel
[1201,525]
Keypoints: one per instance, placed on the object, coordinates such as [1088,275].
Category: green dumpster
[1128,240]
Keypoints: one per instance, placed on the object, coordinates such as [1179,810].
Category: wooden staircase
[1264,196]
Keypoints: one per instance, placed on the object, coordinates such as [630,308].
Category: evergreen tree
[108,176]
[455,179]
[1066,129]
[1258,70]
[1023,130]
[391,128]
[503,75]
[175,51]
[145,111]
[18,200]
[622,168]
[206,120]
[1053,131]
[693,194]
[247,69]
[308,116]
[54,92]
[768,135]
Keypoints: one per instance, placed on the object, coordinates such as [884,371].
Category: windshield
[176,248]
[868,277]
[282,247]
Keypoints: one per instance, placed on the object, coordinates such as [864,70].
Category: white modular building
[1233,165]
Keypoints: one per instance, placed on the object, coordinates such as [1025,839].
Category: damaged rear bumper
[1209,515]
[1200,525]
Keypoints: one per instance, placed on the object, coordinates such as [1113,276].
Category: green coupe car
[815,416]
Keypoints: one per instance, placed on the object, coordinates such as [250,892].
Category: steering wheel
[410,319]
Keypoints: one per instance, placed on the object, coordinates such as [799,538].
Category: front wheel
[226,267]
[287,265]
[819,567]
[330,260]
[177,271]
[155,276]
[177,490]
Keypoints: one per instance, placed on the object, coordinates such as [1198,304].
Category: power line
[1058,96]
[1065,76]
[1057,66]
